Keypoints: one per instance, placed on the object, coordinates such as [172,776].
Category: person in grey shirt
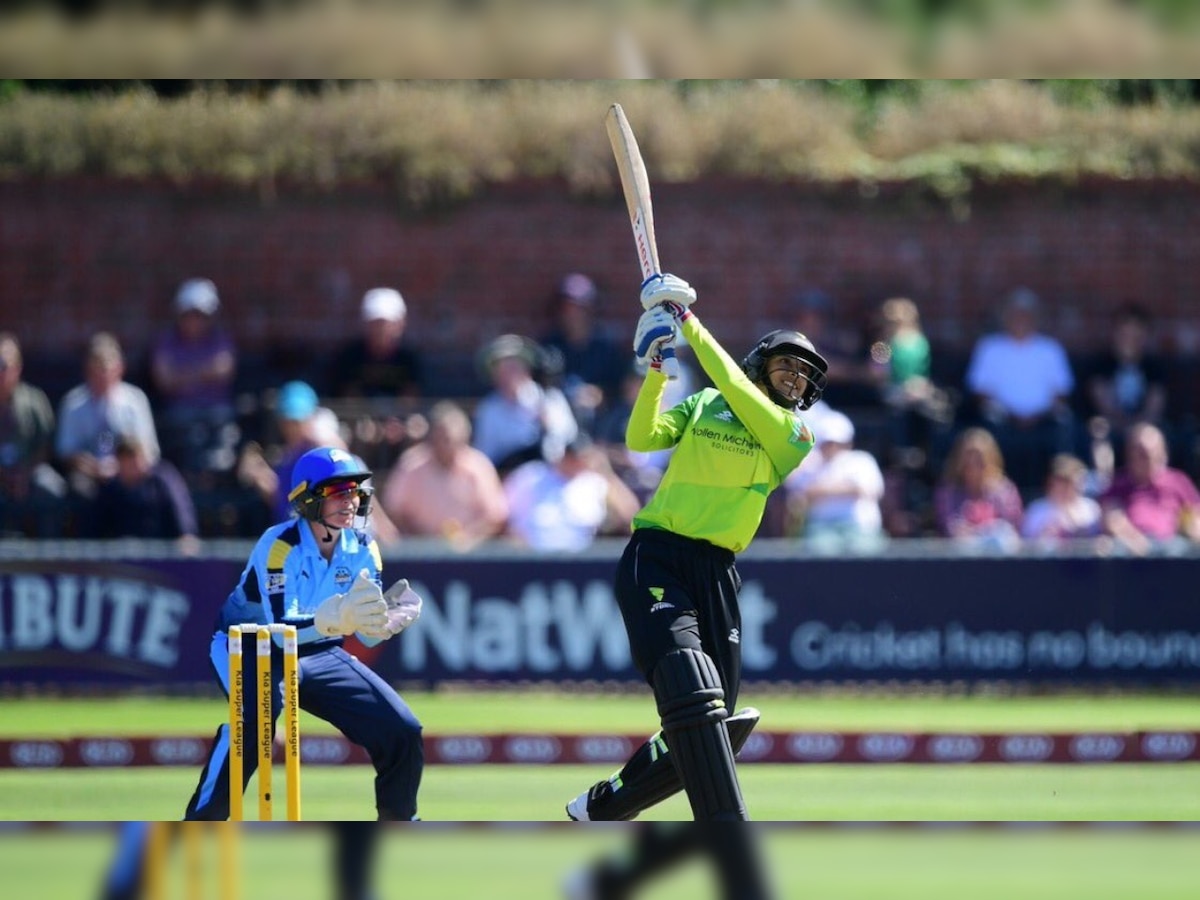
[95,414]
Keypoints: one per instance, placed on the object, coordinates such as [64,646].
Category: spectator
[850,380]
[93,414]
[900,364]
[1129,383]
[592,362]
[378,364]
[835,503]
[563,505]
[976,503]
[32,493]
[192,368]
[303,425]
[1150,504]
[145,500]
[1065,512]
[519,419]
[1021,381]
[443,487]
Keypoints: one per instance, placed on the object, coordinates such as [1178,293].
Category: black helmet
[787,343]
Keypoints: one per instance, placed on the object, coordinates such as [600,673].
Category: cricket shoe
[579,809]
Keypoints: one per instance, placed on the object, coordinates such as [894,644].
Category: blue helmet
[321,467]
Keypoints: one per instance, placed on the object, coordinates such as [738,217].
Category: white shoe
[577,808]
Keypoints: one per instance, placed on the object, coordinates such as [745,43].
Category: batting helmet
[788,343]
[320,468]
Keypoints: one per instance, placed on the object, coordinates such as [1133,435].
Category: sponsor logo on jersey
[724,415]
[276,582]
[659,603]
[800,432]
[341,576]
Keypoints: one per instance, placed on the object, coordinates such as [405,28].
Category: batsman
[676,583]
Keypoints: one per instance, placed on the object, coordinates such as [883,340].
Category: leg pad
[691,704]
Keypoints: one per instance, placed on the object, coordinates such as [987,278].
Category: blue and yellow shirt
[287,578]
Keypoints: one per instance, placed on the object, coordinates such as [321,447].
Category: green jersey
[733,446]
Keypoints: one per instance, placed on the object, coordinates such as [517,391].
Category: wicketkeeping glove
[403,608]
[669,289]
[362,608]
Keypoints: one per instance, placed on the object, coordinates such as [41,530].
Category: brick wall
[82,255]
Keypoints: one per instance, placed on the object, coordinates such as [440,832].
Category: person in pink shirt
[443,487]
[1150,504]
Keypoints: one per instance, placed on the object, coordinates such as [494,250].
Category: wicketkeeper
[676,583]
[321,572]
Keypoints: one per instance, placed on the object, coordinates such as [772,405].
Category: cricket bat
[636,185]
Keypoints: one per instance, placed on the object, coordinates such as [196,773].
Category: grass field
[976,792]
[529,863]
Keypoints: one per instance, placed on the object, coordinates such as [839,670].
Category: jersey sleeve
[785,437]
[648,429]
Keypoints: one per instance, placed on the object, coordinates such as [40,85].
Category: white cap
[835,427]
[383,303]
[198,294]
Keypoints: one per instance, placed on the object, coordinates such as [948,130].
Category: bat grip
[670,365]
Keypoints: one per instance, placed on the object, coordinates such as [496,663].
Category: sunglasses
[337,488]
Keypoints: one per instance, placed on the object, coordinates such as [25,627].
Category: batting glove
[655,334]
[672,289]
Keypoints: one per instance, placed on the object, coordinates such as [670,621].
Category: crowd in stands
[1022,445]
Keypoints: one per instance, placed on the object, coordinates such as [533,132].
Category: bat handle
[670,365]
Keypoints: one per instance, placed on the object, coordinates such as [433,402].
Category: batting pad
[691,705]
[650,776]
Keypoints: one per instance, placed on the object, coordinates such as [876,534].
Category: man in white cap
[193,365]
[378,363]
[836,499]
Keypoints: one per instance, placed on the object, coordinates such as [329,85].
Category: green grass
[508,864]
[1124,791]
[448,712]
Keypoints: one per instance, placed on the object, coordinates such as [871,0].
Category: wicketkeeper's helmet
[318,472]
[788,343]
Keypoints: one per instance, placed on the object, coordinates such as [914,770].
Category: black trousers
[676,592]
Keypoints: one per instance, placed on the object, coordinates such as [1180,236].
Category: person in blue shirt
[320,572]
